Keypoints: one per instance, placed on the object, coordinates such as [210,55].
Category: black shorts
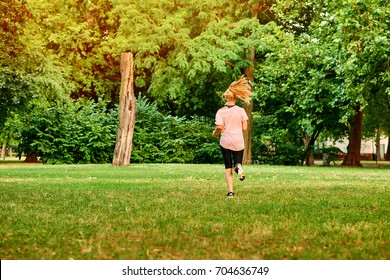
[231,158]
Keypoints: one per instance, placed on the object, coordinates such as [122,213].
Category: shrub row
[167,139]
[71,132]
[85,132]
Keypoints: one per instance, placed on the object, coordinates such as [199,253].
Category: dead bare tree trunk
[127,109]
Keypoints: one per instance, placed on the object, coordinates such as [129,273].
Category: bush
[71,132]
[284,154]
[85,132]
[331,154]
[167,139]
[274,145]
[208,153]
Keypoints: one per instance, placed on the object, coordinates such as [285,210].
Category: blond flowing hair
[240,89]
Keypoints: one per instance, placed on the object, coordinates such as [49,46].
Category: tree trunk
[250,75]
[127,107]
[309,145]
[355,138]
[31,157]
[378,144]
[306,141]
[3,150]
[248,134]
[387,156]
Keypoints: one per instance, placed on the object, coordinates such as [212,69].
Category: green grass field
[156,211]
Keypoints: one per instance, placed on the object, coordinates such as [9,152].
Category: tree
[9,133]
[297,88]
[377,117]
[346,60]
[75,32]
[29,73]
[361,29]
[13,15]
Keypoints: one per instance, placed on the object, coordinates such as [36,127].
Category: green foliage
[331,154]
[356,31]
[75,33]
[85,132]
[274,145]
[168,139]
[303,94]
[13,15]
[71,132]
[313,81]
[193,50]
[283,154]
[14,92]
[11,131]
[208,153]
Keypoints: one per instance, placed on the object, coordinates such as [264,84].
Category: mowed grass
[157,211]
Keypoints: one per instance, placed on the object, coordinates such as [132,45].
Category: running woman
[231,121]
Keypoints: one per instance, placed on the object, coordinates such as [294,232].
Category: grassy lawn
[156,211]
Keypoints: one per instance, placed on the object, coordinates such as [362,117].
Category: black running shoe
[230,195]
[240,172]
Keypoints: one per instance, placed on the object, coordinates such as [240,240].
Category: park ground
[174,211]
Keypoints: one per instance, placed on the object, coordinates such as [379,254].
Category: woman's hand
[217,130]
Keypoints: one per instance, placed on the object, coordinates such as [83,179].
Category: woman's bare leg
[229,178]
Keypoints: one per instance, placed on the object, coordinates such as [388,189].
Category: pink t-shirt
[231,119]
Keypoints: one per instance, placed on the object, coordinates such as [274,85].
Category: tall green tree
[298,92]
[362,29]
[30,73]
[13,15]
[75,31]
[327,77]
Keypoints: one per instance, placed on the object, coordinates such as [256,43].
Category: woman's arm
[244,126]
[217,130]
